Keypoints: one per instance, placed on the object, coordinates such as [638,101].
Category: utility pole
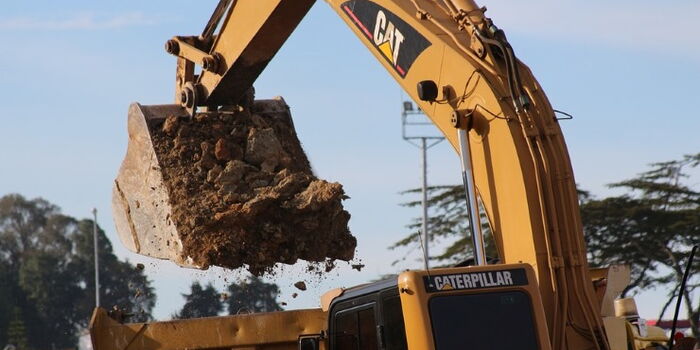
[415,119]
[97,265]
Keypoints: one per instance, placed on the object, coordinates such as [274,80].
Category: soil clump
[243,193]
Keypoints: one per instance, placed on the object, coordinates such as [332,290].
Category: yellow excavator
[460,69]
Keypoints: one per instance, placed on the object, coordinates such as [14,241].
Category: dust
[243,193]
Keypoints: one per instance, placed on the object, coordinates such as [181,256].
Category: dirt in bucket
[243,193]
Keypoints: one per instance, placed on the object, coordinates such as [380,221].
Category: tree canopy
[447,223]
[252,295]
[201,302]
[46,265]
[651,226]
[249,295]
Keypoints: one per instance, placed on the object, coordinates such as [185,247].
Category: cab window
[394,330]
[497,321]
[356,329]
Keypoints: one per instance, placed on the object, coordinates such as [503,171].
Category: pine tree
[447,222]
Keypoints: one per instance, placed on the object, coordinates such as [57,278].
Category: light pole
[97,264]
[414,118]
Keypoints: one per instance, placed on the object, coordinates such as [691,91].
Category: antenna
[425,253]
[680,294]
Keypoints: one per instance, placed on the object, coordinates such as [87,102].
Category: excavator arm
[461,70]
[251,33]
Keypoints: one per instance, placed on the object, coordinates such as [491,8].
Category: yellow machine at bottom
[493,306]
[437,309]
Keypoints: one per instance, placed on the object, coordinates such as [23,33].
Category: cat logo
[387,37]
[397,42]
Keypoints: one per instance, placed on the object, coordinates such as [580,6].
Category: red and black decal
[399,43]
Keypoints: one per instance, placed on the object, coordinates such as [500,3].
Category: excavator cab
[479,307]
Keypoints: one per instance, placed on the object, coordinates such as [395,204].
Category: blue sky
[626,70]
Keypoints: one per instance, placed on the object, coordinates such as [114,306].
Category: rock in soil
[243,193]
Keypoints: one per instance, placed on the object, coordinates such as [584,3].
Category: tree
[121,283]
[49,285]
[47,272]
[7,300]
[651,227]
[252,295]
[447,221]
[201,302]
[16,332]
[25,227]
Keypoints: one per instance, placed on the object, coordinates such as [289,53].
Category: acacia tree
[652,226]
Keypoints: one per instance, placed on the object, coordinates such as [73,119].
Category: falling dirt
[358,267]
[300,285]
[243,192]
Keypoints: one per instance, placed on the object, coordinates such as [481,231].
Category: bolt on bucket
[230,188]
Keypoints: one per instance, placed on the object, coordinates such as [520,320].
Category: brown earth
[243,192]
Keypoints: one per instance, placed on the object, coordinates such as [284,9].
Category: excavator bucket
[230,188]
[140,202]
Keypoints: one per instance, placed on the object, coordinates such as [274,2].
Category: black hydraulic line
[513,75]
[516,75]
[511,84]
[680,295]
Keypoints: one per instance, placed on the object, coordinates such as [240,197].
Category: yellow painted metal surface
[250,36]
[654,336]
[414,301]
[275,330]
[522,169]
[617,332]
